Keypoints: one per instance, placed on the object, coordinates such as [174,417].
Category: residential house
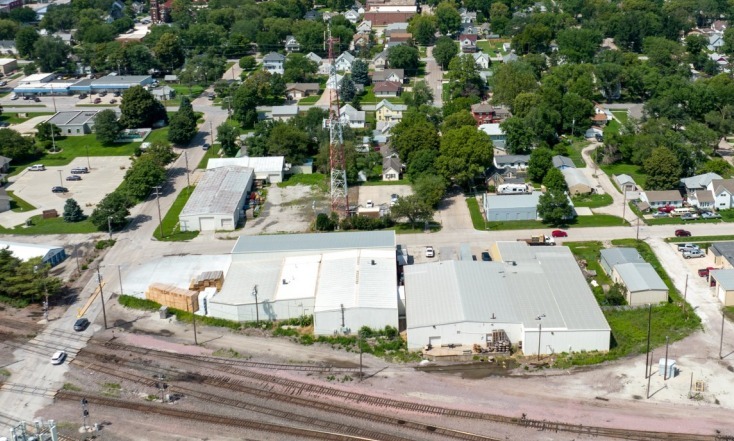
[163,93]
[387,89]
[577,181]
[697,192]
[386,111]
[352,16]
[467,17]
[297,91]
[485,113]
[482,60]
[380,61]
[397,27]
[394,75]
[716,41]
[485,30]
[602,116]
[719,25]
[657,199]
[354,118]
[7,47]
[173,79]
[507,175]
[291,44]
[496,134]
[315,58]
[365,26]
[723,193]
[468,43]
[284,113]
[563,162]
[402,37]
[116,11]
[274,63]
[511,57]
[344,62]
[723,280]
[335,82]
[360,40]
[392,168]
[4,200]
[469,29]
[312,15]
[4,164]
[517,162]
[625,182]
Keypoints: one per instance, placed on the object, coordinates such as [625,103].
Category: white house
[392,169]
[379,62]
[283,113]
[352,16]
[723,193]
[335,82]
[365,26]
[482,60]
[344,62]
[657,199]
[274,62]
[353,117]
[291,44]
[315,58]
[518,162]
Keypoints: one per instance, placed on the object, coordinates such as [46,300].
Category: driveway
[380,194]
[434,77]
[604,184]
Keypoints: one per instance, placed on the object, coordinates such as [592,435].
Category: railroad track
[240,386]
[27,390]
[297,388]
[214,419]
[234,361]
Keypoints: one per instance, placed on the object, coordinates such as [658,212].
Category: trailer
[539,240]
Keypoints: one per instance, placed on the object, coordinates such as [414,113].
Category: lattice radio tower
[337,163]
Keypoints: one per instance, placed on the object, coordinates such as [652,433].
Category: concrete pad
[34,187]
[174,270]
[29,127]
[380,194]
[583,211]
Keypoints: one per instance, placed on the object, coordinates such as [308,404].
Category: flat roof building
[498,208]
[724,282]
[50,254]
[218,200]
[267,168]
[74,123]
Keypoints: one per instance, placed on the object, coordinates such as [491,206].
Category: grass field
[380,183]
[182,89]
[597,220]
[477,219]
[170,226]
[700,239]
[633,170]
[51,226]
[213,152]
[592,200]
[621,115]
[17,204]
[309,99]
[574,152]
[370,98]
[13,118]
[490,46]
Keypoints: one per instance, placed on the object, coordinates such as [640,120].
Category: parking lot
[380,194]
[35,186]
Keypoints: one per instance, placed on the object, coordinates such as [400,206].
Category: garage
[724,285]
[207,224]
[218,201]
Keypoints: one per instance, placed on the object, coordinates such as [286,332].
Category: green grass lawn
[490,46]
[170,226]
[590,252]
[182,89]
[213,152]
[17,204]
[51,226]
[676,220]
[13,118]
[370,98]
[477,219]
[574,152]
[597,220]
[379,183]
[309,100]
[314,180]
[729,312]
[621,115]
[700,239]
[633,170]
[592,200]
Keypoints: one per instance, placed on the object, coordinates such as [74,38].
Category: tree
[72,211]
[182,127]
[14,145]
[114,207]
[578,45]
[448,18]
[347,89]
[50,53]
[403,57]
[500,15]
[554,207]
[510,80]
[519,138]
[422,162]
[247,62]
[445,50]
[324,223]
[423,28]
[44,131]
[541,161]
[169,51]
[140,109]
[464,79]
[161,153]
[299,69]
[8,29]
[534,38]
[359,72]
[430,189]
[554,180]
[420,95]
[411,136]
[142,176]
[718,166]
[25,40]
[23,15]
[411,208]
[465,153]
[287,140]
[663,170]
[106,127]
[457,120]
[25,281]
[227,136]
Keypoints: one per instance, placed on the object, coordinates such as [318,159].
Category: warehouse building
[642,283]
[576,181]
[610,257]
[218,200]
[345,280]
[267,168]
[511,207]
[8,65]
[536,295]
[50,254]
[110,83]
[723,253]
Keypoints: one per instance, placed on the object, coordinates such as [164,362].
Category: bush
[365,223]
[102,244]
[136,303]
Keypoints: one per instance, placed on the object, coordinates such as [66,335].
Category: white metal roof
[219,191]
[468,291]
[242,277]
[492,129]
[575,176]
[725,277]
[640,277]
[270,164]
[298,277]
[509,201]
[26,251]
[316,242]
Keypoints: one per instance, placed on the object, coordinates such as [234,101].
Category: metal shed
[642,282]
[616,256]
[218,200]
[50,254]
[511,207]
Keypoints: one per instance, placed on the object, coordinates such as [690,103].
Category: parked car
[704,272]
[369,204]
[81,324]
[59,189]
[4,124]
[689,216]
[3,83]
[205,146]
[691,254]
[687,247]
[211,97]
[26,98]
[102,94]
[15,97]
[486,257]
[79,170]
[36,99]
[430,252]
[661,214]
[74,178]
[559,233]
[58,357]
[113,101]
[82,96]
[116,94]
[393,199]
[97,100]
[682,233]
[710,215]
[599,137]
[666,209]
[37,167]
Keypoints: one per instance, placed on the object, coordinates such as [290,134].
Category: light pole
[188,182]
[158,200]
[257,312]
[119,275]
[540,331]
[45,291]
[101,296]
[89,165]
[61,182]
[109,225]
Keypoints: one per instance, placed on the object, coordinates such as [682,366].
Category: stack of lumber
[173,297]
[207,279]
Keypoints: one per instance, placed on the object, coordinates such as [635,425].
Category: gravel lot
[380,194]
[287,210]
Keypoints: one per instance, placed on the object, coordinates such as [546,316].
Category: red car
[666,209]
[559,233]
[704,272]
[682,233]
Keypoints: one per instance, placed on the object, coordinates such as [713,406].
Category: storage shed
[616,256]
[50,254]
[642,283]
[267,168]
[577,181]
[217,202]
[724,285]
[511,207]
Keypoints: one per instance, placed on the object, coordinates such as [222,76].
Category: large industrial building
[48,84]
[267,168]
[536,295]
[218,200]
[345,280]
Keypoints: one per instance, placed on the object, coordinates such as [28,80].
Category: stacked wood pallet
[173,297]
[207,279]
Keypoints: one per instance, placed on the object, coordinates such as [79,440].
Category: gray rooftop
[502,160]
[724,249]
[575,176]
[273,56]
[563,161]
[467,291]
[219,191]
[625,179]
[514,200]
[120,79]
[73,117]
[640,277]
[725,277]
[617,256]
[699,181]
[314,242]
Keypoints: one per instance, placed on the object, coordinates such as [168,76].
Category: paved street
[434,77]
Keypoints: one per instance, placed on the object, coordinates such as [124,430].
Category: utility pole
[638,230]
[188,182]
[211,133]
[193,317]
[540,331]
[89,164]
[649,374]
[101,296]
[61,181]
[119,276]
[160,218]
[53,138]
[624,205]
[359,341]
[76,254]
[721,342]
[342,308]
[648,360]
[257,307]
[685,297]
[85,413]
[665,376]
[109,225]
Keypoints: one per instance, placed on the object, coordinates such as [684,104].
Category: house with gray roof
[517,162]
[4,164]
[392,168]
[284,113]
[395,75]
[698,182]
[291,44]
[723,253]
[274,63]
[625,182]
[344,62]
[610,257]
[4,200]
[723,281]
[501,208]
[722,191]
[535,295]
[353,117]
[662,198]
[74,123]
[563,162]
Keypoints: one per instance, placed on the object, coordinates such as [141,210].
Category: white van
[37,167]
[683,210]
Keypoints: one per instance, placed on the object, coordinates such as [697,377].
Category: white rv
[513,189]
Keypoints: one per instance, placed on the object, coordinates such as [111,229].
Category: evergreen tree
[359,72]
[183,124]
[347,89]
[72,211]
